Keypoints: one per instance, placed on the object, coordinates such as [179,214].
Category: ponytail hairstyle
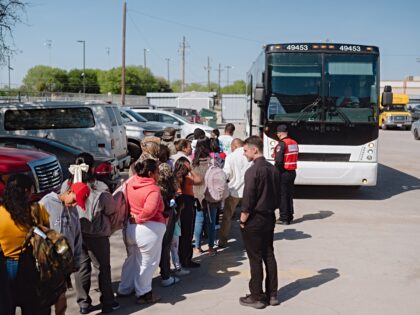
[16,200]
[88,159]
[202,151]
[180,170]
[144,168]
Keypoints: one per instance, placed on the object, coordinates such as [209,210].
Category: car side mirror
[259,94]
[387,96]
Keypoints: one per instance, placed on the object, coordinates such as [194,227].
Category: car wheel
[134,151]
[416,134]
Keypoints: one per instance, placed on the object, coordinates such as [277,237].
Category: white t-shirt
[225,142]
[235,167]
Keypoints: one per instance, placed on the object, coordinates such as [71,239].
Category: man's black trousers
[259,248]
[287,184]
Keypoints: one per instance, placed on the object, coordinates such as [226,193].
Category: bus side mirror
[387,96]
[259,94]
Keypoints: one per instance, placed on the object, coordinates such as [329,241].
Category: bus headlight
[369,157]
[371,145]
[370,151]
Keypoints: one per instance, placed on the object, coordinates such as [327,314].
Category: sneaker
[170,281]
[273,301]
[222,244]
[87,309]
[249,301]
[148,298]
[198,251]
[212,252]
[113,307]
[181,272]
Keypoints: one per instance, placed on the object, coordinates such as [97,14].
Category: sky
[230,32]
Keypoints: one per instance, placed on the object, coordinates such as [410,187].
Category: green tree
[44,78]
[238,87]
[75,81]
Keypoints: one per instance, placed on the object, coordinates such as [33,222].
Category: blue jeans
[209,212]
[198,227]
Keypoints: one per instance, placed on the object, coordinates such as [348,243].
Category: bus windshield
[322,87]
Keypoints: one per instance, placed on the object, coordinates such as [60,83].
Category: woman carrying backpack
[96,229]
[16,220]
[206,211]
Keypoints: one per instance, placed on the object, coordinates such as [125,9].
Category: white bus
[327,95]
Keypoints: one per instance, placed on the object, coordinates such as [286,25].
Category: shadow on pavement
[322,214]
[290,235]
[293,289]
[391,182]
[214,273]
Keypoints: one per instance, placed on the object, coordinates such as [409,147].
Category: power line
[198,28]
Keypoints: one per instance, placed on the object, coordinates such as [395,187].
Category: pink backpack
[122,208]
[217,188]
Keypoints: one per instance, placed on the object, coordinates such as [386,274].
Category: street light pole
[167,65]
[48,44]
[227,72]
[9,69]
[84,66]
[145,50]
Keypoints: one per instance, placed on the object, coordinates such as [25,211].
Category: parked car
[415,129]
[137,127]
[129,115]
[44,168]
[66,154]
[415,112]
[189,113]
[187,128]
[93,127]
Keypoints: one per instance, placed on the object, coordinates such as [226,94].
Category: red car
[42,167]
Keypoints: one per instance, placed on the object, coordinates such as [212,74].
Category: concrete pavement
[349,252]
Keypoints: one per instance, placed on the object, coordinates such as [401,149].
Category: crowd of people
[175,192]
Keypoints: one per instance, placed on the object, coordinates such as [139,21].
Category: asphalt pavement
[348,252]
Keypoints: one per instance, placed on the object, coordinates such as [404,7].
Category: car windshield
[136,115]
[181,118]
[318,87]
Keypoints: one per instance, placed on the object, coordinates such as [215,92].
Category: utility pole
[108,52]
[123,55]
[9,68]
[220,74]
[208,68]
[184,46]
[145,50]
[167,65]
[84,67]
[227,72]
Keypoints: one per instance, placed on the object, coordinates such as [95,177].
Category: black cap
[281,128]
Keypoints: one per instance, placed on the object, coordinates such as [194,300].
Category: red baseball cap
[82,192]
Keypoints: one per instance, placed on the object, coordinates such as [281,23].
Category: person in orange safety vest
[285,156]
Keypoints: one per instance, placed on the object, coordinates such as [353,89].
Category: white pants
[174,252]
[144,243]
